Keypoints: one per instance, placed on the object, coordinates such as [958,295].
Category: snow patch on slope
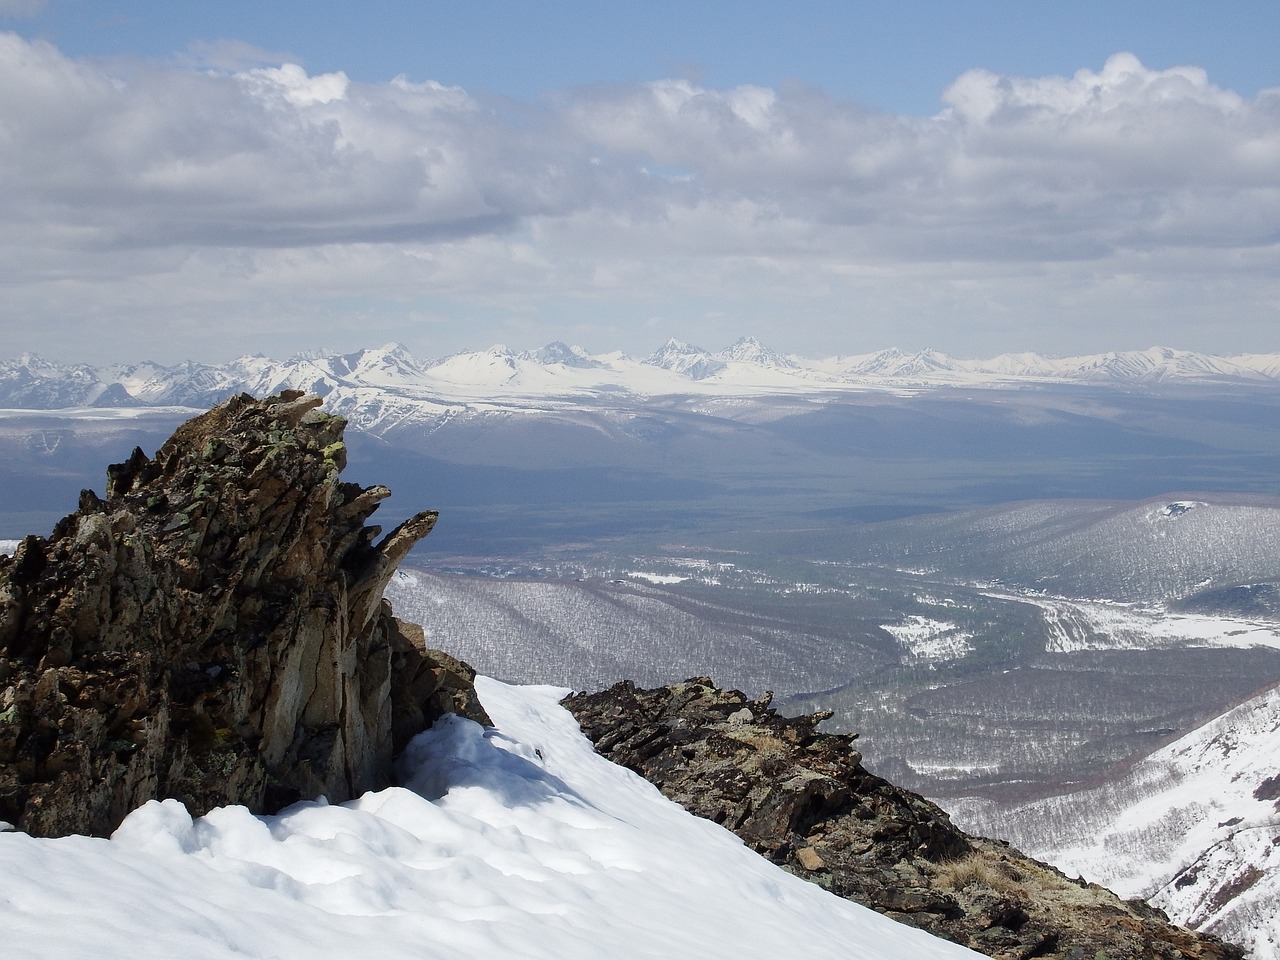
[1072,626]
[1193,827]
[925,640]
[514,842]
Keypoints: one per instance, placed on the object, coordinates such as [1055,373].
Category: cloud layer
[216,211]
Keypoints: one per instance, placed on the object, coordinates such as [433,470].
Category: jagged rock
[214,630]
[804,800]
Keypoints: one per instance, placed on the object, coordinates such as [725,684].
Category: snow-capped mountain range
[562,371]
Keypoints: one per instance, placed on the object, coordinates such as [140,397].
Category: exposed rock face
[213,631]
[804,800]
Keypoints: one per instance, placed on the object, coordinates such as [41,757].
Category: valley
[1014,586]
[956,690]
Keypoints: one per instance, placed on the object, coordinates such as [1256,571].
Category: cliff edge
[213,631]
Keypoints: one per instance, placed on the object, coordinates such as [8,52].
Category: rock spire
[214,631]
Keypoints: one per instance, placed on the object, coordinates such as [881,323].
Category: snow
[558,373]
[93,413]
[1180,507]
[1076,625]
[922,639]
[1193,827]
[657,578]
[517,841]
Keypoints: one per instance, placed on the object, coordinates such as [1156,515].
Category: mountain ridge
[561,370]
[802,799]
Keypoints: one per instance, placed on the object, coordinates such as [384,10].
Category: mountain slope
[804,800]
[514,842]
[1193,827]
[1154,550]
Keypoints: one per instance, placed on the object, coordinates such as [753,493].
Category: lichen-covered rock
[804,800]
[214,630]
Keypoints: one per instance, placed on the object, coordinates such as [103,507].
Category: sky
[203,181]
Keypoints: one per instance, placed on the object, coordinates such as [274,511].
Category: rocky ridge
[803,799]
[214,631]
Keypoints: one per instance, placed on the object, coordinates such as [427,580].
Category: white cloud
[300,89]
[261,195]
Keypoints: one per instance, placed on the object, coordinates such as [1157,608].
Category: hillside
[1194,827]
[803,799]
[1157,550]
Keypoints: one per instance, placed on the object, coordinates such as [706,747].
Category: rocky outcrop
[214,631]
[804,800]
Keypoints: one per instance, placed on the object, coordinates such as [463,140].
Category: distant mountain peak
[685,358]
[557,351]
[895,363]
[751,350]
[675,347]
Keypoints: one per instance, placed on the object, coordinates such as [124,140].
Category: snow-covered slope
[559,370]
[519,842]
[1193,827]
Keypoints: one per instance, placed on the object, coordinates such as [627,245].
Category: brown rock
[213,631]
[809,859]
[783,787]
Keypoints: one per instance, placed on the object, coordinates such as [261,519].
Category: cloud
[247,192]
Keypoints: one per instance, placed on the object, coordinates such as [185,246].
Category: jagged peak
[559,352]
[674,347]
[751,350]
[685,358]
[196,560]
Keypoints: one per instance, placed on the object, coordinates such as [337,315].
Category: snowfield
[517,841]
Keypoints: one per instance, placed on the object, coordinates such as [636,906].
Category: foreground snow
[512,842]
